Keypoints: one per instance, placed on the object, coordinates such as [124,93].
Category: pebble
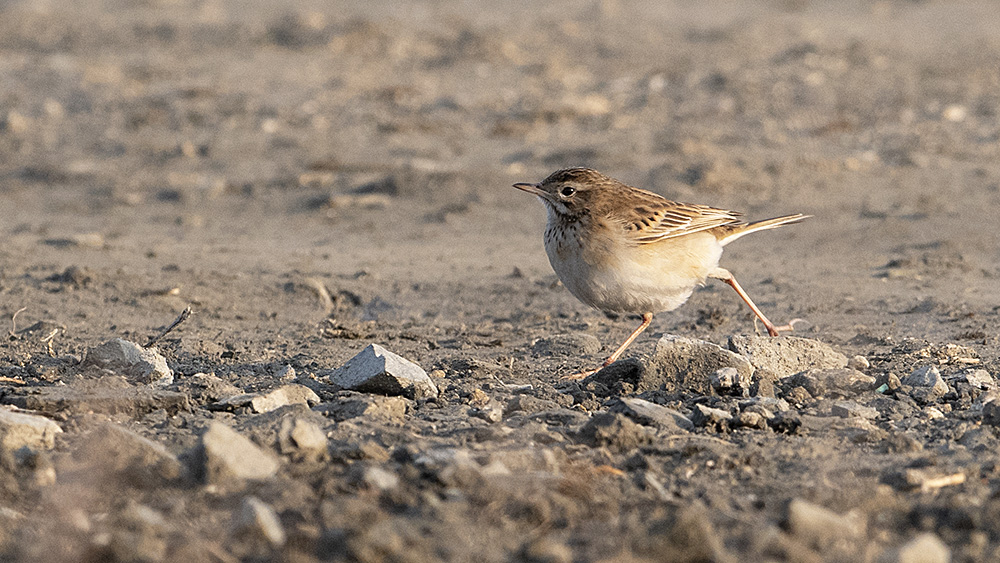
[924,548]
[229,456]
[18,430]
[570,344]
[691,363]
[274,399]
[786,355]
[835,382]
[367,406]
[378,478]
[848,409]
[490,412]
[256,518]
[708,416]
[377,370]
[729,381]
[859,363]
[750,419]
[303,436]
[128,359]
[546,550]
[977,377]
[648,413]
[927,384]
[820,527]
[616,431]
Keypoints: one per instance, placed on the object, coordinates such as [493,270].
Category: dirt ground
[314,177]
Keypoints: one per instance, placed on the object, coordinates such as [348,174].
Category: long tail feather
[737,231]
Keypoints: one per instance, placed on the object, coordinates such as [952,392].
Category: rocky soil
[371,368]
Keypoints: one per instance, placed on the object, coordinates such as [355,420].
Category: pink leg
[646,319]
[727,277]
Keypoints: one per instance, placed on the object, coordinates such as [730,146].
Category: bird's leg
[646,319]
[726,276]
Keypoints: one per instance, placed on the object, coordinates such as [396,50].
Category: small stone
[750,419]
[729,381]
[924,548]
[647,413]
[786,355]
[836,382]
[490,412]
[546,550]
[711,417]
[927,383]
[377,370]
[571,344]
[848,409]
[286,373]
[379,478]
[302,436]
[820,527]
[206,387]
[128,359]
[229,456]
[285,395]
[272,400]
[367,406]
[255,518]
[691,363]
[977,377]
[954,113]
[530,404]
[18,430]
[614,431]
[859,363]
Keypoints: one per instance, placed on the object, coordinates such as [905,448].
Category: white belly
[644,279]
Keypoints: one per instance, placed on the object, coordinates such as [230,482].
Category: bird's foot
[581,375]
[773,330]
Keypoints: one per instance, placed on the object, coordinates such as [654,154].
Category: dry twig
[180,318]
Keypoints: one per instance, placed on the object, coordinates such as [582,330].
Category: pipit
[624,250]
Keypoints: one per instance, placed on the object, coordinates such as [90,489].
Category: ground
[313,177]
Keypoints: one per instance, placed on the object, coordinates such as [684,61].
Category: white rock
[859,363]
[228,456]
[256,518]
[130,360]
[273,399]
[377,370]
[927,376]
[646,412]
[18,430]
[303,435]
[925,548]
[819,527]
[786,355]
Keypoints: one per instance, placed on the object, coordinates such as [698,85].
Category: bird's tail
[737,231]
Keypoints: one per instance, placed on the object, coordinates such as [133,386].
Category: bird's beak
[530,188]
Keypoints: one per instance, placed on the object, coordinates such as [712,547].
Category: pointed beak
[530,188]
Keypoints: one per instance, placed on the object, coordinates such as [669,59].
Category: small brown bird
[625,250]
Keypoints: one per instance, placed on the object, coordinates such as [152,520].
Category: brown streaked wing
[671,219]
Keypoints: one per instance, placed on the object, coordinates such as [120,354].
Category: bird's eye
[567,191]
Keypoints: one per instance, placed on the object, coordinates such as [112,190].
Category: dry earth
[312,177]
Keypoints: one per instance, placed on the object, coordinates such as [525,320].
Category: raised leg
[726,276]
[646,319]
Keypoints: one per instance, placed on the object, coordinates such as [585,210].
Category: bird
[625,250]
